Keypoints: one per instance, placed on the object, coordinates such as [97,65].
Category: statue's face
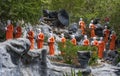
[39,30]
[8,22]
[80,19]
[101,38]
[62,35]
[17,24]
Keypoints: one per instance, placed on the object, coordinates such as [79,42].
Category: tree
[28,10]
[31,10]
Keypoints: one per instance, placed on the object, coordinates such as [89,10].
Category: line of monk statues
[101,44]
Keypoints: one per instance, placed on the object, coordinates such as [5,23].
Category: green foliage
[118,36]
[31,10]
[73,73]
[118,50]
[79,73]
[118,58]
[90,9]
[70,52]
[46,39]
[87,48]
[28,10]
[2,36]
[94,58]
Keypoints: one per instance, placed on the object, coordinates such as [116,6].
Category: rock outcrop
[17,60]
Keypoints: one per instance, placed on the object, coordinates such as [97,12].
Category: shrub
[70,52]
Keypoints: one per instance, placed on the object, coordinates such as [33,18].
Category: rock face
[11,52]
[112,57]
[17,60]
[83,58]
[105,70]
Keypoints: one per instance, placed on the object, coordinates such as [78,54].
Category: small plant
[45,39]
[118,36]
[70,52]
[73,73]
[94,56]
[118,59]
[93,59]
[87,48]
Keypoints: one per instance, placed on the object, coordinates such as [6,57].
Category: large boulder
[58,19]
[11,50]
[112,57]
[17,60]
[83,58]
[73,27]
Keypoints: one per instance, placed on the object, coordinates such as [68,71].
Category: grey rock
[86,72]
[73,27]
[34,52]
[118,65]
[19,46]
[115,60]
[11,50]
[17,60]
[112,57]
[105,70]
[83,58]
[112,54]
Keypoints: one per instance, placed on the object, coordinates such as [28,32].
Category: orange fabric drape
[9,32]
[63,40]
[51,46]
[18,32]
[73,41]
[40,41]
[92,32]
[86,42]
[31,38]
[95,43]
[106,35]
[82,27]
[112,42]
[101,47]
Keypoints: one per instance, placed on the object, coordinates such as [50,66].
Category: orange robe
[112,42]
[82,27]
[86,42]
[31,38]
[73,41]
[106,35]
[101,47]
[95,43]
[9,32]
[18,32]
[51,46]
[40,41]
[63,40]
[92,32]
